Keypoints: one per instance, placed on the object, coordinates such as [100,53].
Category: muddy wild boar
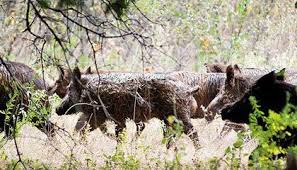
[118,96]
[271,94]
[234,87]
[255,73]
[13,76]
[209,86]
[60,85]
[236,84]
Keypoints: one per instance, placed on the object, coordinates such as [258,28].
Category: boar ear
[76,75]
[230,76]
[281,75]
[88,70]
[236,68]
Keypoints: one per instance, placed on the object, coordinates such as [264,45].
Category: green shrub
[270,137]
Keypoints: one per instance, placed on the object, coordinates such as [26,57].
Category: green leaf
[228,150]
[238,144]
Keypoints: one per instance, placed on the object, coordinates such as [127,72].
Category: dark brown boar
[270,94]
[13,76]
[118,96]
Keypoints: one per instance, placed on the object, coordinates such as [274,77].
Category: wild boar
[271,94]
[60,85]
[209,86]
[235,86]
[13,76]
[118,96]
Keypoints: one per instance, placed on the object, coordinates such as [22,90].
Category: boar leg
[188,126]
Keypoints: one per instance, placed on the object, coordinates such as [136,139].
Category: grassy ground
[146,150]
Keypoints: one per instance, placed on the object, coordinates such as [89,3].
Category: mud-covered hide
[118,96]
[24,74]
[12,83]
[7,89]
[290,75]
[60,85]
[209,86]
[235,86]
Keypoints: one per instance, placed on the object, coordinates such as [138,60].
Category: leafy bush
[174,131]
[271,150]
[39,109]
[17,113]
[278,127]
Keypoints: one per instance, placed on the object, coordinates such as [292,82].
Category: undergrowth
[275,140]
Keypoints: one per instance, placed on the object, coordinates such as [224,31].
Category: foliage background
[252,33]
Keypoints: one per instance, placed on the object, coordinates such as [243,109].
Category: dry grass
[97,148]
